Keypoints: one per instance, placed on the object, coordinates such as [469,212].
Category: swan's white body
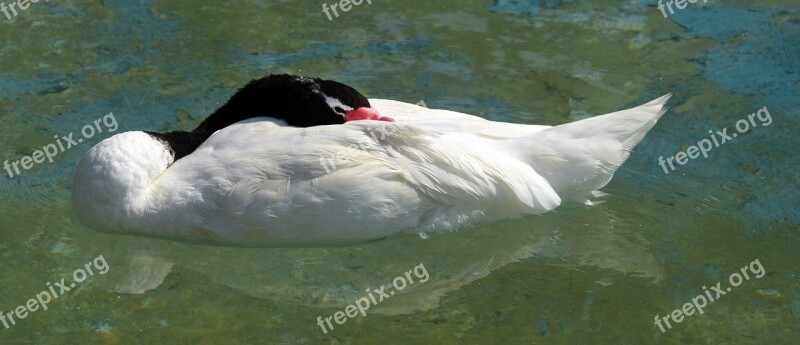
[257,183]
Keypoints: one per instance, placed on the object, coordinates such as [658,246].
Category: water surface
[580,275]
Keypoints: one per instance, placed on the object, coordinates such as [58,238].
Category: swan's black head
[300,101]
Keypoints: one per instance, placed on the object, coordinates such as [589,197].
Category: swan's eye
[339,110]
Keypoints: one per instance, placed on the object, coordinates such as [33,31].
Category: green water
[580,275]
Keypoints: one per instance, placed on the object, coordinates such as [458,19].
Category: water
[580,275]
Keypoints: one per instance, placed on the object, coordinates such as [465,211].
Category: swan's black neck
[301,102]
[180,143]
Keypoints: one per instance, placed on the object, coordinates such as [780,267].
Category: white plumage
[257,183]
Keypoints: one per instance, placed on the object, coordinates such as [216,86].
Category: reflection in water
[337,276]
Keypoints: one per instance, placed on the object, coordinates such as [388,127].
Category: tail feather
[626,126]
[580,157]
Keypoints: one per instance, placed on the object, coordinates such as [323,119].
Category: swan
[291,160]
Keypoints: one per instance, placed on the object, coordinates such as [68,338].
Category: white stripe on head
[333,103]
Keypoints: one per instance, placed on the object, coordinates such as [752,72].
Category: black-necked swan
[285,161]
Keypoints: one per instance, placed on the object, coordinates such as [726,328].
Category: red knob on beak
[365,113]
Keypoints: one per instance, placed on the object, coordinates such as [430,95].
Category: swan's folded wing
[367,179]
[462,169]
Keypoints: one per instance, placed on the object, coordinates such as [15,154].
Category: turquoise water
[580,275]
